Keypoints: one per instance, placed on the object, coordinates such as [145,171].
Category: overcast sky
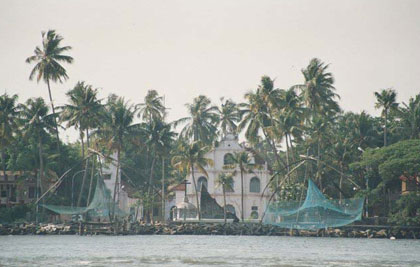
[217,48]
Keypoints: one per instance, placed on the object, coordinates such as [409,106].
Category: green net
[100,206]
[316,212]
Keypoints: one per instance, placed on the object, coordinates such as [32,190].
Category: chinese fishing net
[100,206]
[316,212]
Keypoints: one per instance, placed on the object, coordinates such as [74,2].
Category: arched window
[231,209]
[230,187]
[254,185]
[201,181]
[228,159]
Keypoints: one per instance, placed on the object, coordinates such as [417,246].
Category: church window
[254,185]
[228,159]
[230,187]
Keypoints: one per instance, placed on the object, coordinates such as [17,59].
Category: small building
[124,197]
[19,187]
[254,182]
[409,184]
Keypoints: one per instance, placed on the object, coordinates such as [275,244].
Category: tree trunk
[318,166]
[163,189]
[150,187]
[341,181]
[91,182]
[41,174]
[79,200]
[242,194]
[55,119]
[3,160]
[386,128]
[196,193]
[41,164]
[224,202]
[287,158]
[116,185]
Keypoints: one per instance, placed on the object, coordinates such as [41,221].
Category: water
[205,251]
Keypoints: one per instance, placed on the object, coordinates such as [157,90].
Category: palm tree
[153,108]
[202,121]
[118,126]
[157,137]
[289,121]
[242,161]
[83,112]
[48,68]
[224,179]
[8,125]
[37,123]
[229,116]
[386,99]
[410,117]
[318,89]
[257,115]
[191,157]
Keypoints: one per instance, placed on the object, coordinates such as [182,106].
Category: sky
[219,48]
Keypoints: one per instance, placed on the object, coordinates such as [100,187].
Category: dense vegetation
[345,153]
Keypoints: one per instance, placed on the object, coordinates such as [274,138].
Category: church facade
[254,182]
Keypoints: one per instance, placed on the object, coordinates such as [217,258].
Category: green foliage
[393,161]
[15,213]
[407,210]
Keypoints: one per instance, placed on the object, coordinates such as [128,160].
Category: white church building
[254,183]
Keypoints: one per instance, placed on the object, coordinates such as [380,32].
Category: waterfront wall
[352,231]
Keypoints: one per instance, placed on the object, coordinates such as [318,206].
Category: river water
[205,251]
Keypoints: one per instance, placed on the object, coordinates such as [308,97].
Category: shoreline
[233,229]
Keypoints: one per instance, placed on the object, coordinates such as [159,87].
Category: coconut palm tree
[410,117]
[153,108]
[48,58]
[83,112]
[37,123]
[117,127]
[229,116]
[318,90]
[289,120]
[242,162]
[8,125]
[201,122]
[257,116]
[188,159]
[224,179]
[386,99]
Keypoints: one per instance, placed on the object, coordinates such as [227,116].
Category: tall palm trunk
[341,181]
[85,173]
[40,177]
[242,193]
[116,185]
[196,193]
[224,202]
[150,187]
[386,128]
[318,165]
[55,119]
[3,160]
[91,182]
[287,158]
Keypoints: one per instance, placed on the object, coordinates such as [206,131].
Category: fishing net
[316,212]
[100,206]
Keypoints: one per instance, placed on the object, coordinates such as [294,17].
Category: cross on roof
[186,183]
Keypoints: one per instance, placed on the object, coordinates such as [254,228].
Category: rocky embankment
[208,229]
